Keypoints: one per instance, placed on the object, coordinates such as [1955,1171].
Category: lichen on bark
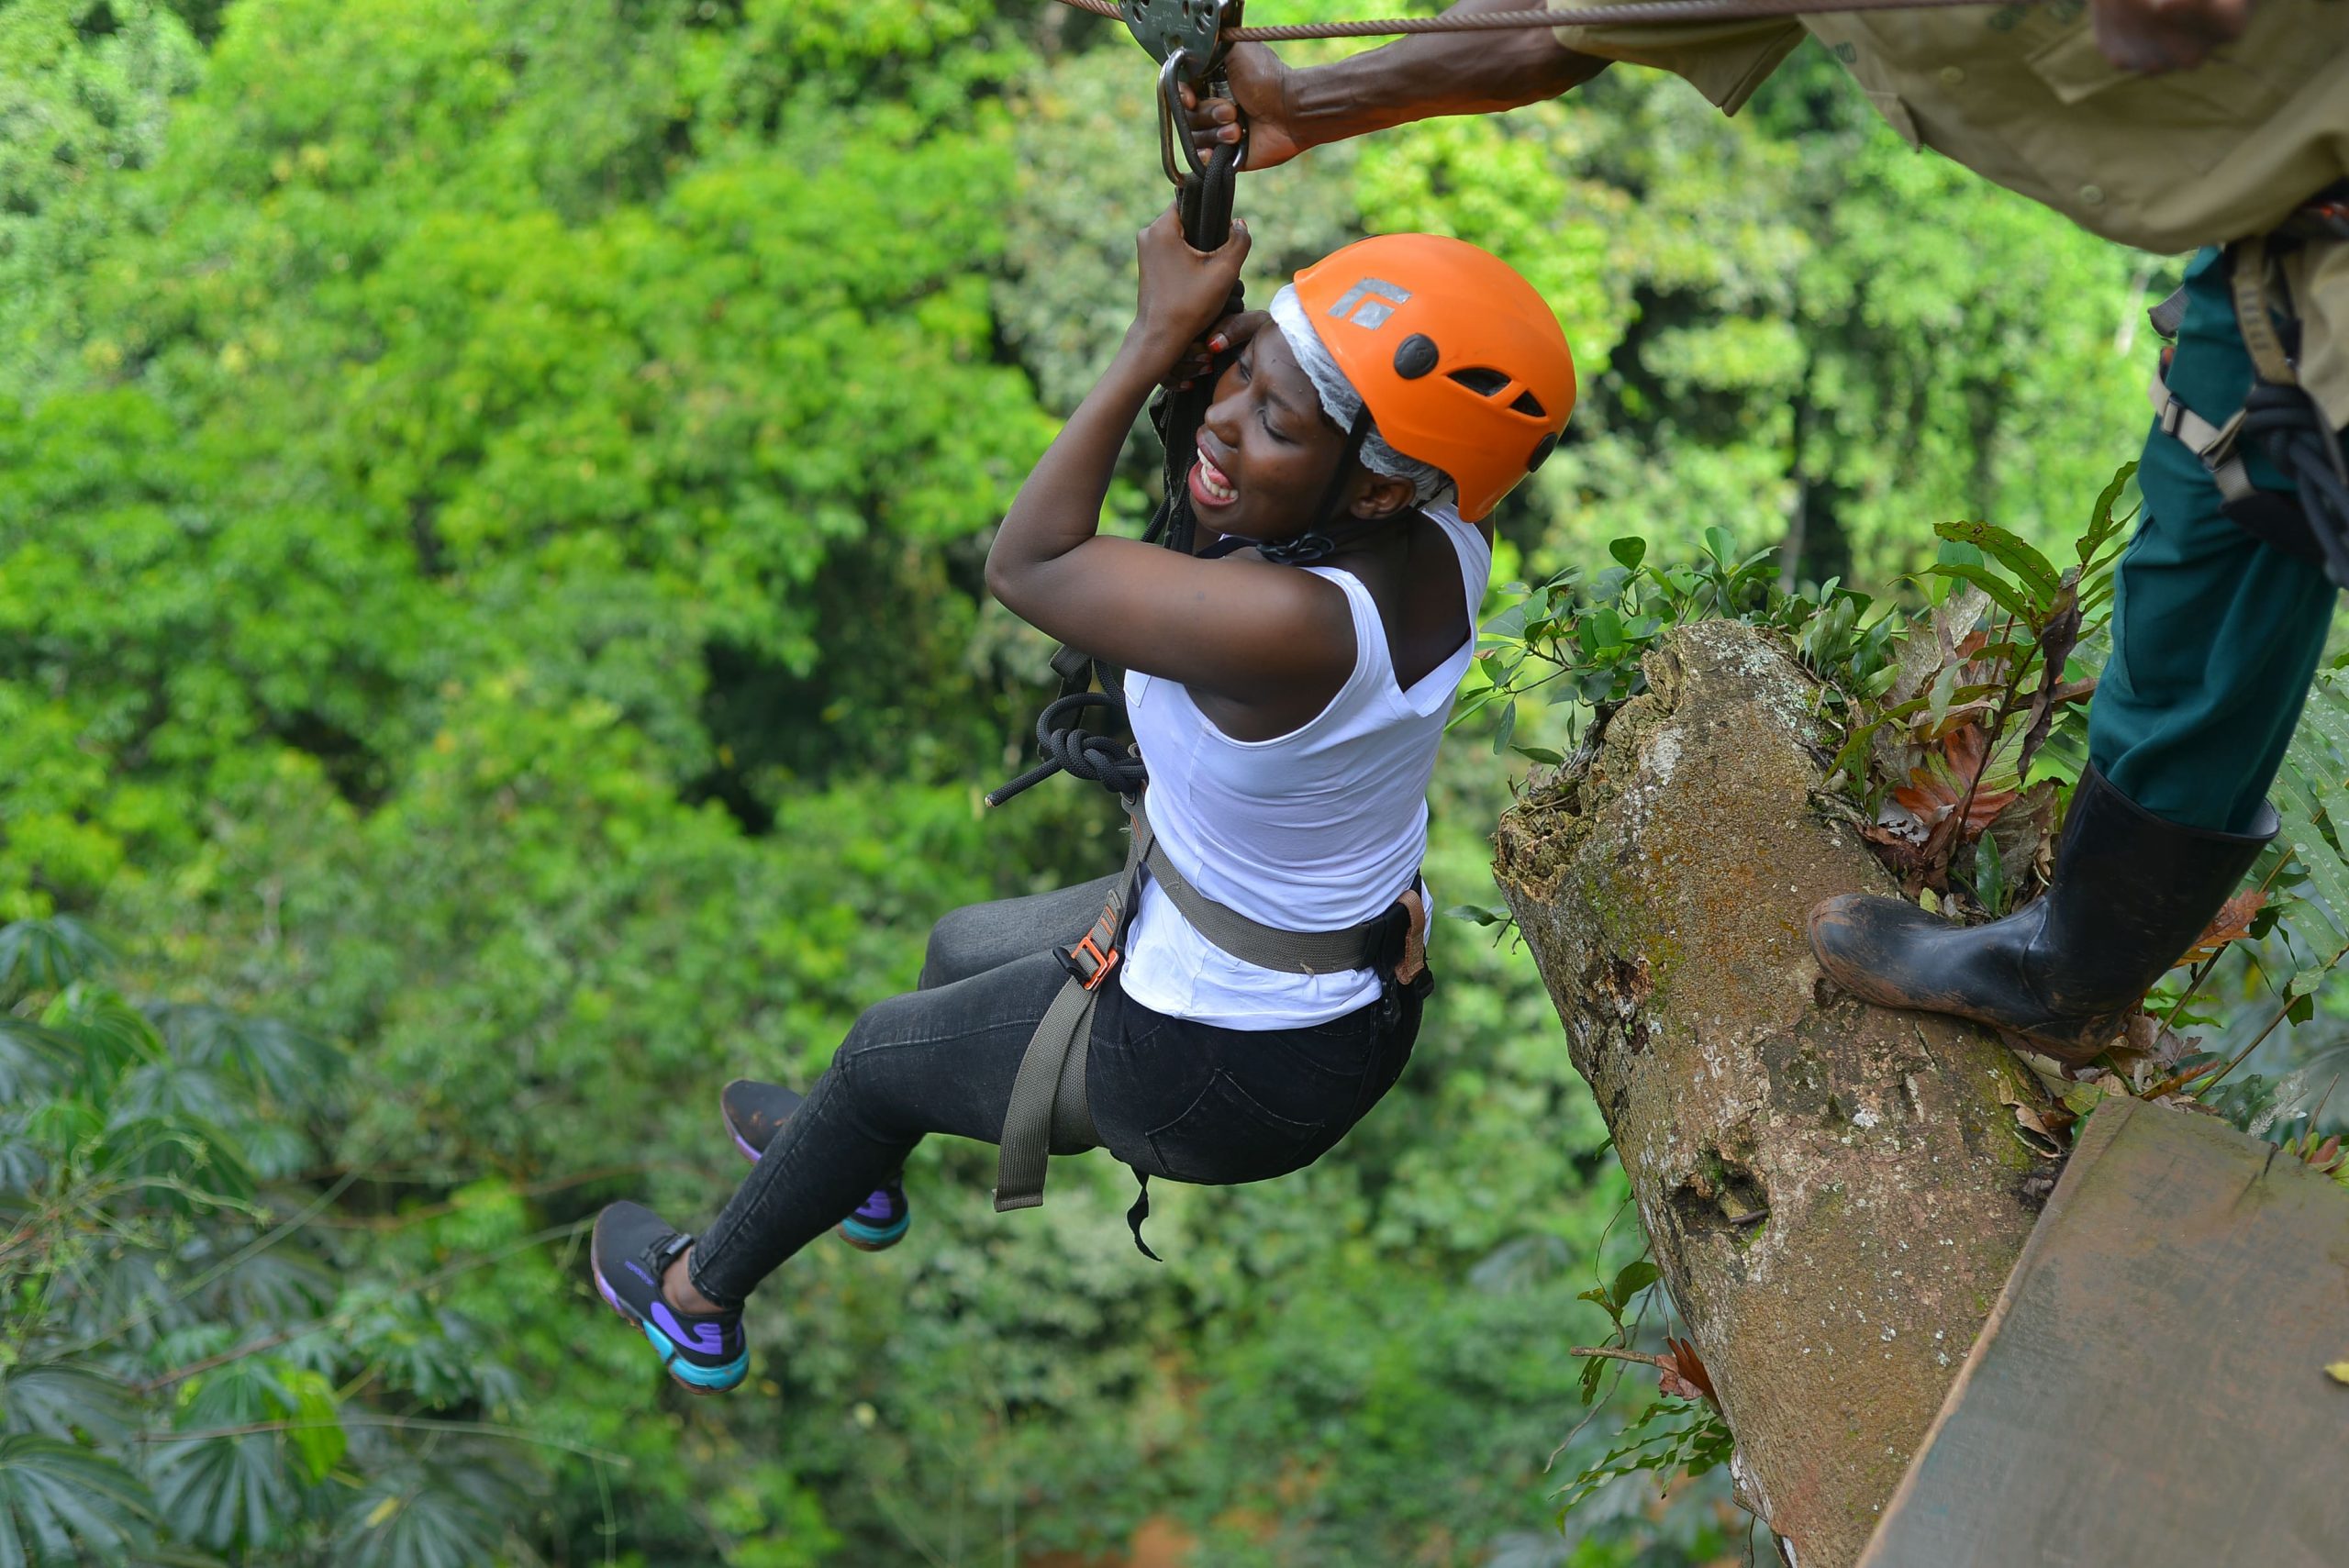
[1835,1192]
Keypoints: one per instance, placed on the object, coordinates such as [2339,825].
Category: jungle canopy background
[491,501]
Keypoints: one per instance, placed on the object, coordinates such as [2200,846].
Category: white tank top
[1314,830]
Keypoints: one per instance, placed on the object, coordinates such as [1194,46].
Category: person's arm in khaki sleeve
[1414,79]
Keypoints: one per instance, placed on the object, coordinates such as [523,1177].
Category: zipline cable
[1634,12]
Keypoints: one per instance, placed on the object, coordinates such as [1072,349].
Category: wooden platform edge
[2096,1134]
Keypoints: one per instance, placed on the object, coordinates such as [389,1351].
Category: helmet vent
[1487,383]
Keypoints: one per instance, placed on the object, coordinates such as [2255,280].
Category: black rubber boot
[2132,892]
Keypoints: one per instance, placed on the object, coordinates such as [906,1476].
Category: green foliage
[175,1367]
[1765,345]
[1590,632]
[1615,1298]
[1671,1436]
[2268,986]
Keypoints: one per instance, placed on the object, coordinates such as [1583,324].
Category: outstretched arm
[1473,73]
[1240,630]
[1413,79]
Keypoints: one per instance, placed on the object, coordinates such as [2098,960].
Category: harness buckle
[1095,953]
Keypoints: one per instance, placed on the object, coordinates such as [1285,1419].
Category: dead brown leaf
[2040,1127]
[1682,1374]
[1933,793]
[2231,924]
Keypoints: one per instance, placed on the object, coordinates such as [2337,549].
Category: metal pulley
[1187,39]
[1190,28]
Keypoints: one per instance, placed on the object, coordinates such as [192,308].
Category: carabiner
[1172,126]
[1172,123]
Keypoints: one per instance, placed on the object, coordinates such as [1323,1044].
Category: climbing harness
[1049,1109]
[2311,522]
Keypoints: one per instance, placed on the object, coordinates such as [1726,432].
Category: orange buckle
[1092,966]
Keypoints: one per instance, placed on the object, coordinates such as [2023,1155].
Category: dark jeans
[1170,1096]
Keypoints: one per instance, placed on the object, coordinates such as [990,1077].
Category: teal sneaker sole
[872,1238]
[700,1379]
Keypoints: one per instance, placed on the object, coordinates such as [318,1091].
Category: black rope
[2286,423]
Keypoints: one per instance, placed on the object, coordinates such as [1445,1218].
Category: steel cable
[1634,12]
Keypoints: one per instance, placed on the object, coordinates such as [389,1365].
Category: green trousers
[2215,636]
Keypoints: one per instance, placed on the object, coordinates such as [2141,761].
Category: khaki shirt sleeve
[1724,61]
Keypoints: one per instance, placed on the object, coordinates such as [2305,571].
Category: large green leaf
[48,955]
[293,1064]
[223,1491]
[2007,596]
[2327,715]
[31,1058]
[216,1483]
[428,1515]
[61,1504]
[2313,786]
[110,1032]
[62,1401]
[2103,523]
[2010,550]
[2328,877]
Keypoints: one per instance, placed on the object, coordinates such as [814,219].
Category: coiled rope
[1634,12]
[2285,422]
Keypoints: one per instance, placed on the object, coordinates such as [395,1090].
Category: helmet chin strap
[1331,526]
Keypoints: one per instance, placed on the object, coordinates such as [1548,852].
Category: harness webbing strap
[2247,282]
[1048,1104]
[2214,444]
[1266,947]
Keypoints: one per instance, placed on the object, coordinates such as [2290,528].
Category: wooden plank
[2150,1389]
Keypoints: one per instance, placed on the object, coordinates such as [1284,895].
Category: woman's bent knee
[946,959]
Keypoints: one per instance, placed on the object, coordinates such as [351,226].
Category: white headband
[1343,404]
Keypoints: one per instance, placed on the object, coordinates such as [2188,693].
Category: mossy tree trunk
[1835,1192]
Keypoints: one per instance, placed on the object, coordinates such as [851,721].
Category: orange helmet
[1458,359]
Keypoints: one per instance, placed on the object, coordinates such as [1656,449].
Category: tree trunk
[1835,1192]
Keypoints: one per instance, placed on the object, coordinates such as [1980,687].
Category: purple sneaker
[755,1111]
[633,1247]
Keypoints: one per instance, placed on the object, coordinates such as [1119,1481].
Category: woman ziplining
[1289,685]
